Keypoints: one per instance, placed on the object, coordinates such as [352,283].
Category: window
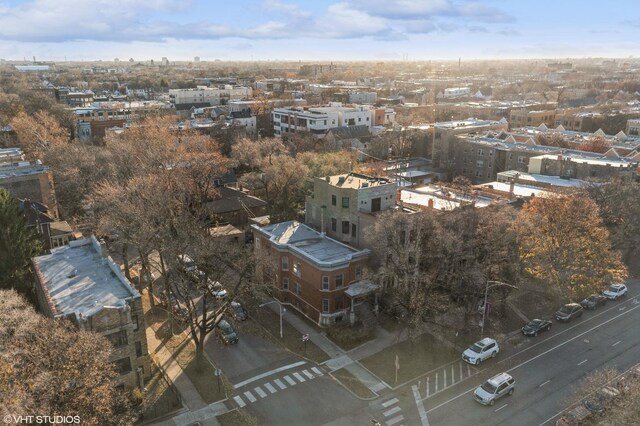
[285,283]
[333,200]
[345,227]
[123,365]
[345,202]
[117,339]
[481,152]
[354,230]
[325,283]
[297,269]
[257,243]
[285,263]
[358,272]
[334,224]
[339,280]
[479,163]
[338,303]
[136,324]
[522,159]
[490,153]
[298,289]
[138,349]
[325,306]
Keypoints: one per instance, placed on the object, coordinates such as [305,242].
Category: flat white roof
[519,189]
[79,280]
[310,244]
[551,180]
[442,198]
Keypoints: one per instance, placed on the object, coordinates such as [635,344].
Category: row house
[314,274]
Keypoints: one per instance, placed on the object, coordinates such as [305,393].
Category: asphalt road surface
[546,371]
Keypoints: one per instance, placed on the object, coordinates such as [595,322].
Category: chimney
[322,220]
[559,157]
[430,203]
[512,184]
[349,166]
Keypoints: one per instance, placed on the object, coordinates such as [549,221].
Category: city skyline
[321,30]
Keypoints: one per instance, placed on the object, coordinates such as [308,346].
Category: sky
[84,30]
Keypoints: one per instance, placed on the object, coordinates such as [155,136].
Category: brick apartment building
[313,272]
[80,283]
[344,206]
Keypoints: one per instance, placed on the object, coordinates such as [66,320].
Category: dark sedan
[536,326]
[593,301]
[569,312]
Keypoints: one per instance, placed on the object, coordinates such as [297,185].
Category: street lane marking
[289,380]
[445,377]
[468,370]
[616,343]
[582,362]
[420,404]
[395,420]
[309,375]
[536,357]
[436,382]
[268,373]
[390,402]
[280,384]
[542,384]
[270,388]
[260,392]
[317,371]
[392,411]
[250,396]
[299,377]
[622,308]
[453,377]
[461,374]
[239,401]
[498,409]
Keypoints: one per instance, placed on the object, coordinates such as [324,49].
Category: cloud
[133,20]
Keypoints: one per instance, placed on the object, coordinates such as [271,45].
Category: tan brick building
[79,282]
[313,271]
[344,206]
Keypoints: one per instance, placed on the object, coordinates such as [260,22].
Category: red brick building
[313,270]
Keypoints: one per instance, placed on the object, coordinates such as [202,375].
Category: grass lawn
[350,337]
[416,357]
[159,399]
[352,383]
[265,320]
[237,418]
[198,368]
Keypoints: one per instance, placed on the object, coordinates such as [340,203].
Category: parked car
[238,311]
[598,403]
[569,312]
[180,313]
[218,291]
[533,327]
[188,266]
[494,388]
[226,333]
[614,291]
[593,301]
[480,351]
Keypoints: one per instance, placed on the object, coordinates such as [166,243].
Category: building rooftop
[540,180]
[21,168]
[79,280]
[310,244]
[440,198]
[355,181]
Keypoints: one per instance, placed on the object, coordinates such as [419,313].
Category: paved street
[546,371]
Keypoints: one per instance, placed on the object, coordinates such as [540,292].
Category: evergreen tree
[18,244]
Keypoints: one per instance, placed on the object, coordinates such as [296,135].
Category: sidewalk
[188,393]
[339,358]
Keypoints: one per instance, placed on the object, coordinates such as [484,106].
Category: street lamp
[281,309]
[484,306]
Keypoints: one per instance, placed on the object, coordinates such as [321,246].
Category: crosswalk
[275,385]
[392,412]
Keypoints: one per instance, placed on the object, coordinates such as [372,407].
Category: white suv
[614,291]
[480,351]
[494,389]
